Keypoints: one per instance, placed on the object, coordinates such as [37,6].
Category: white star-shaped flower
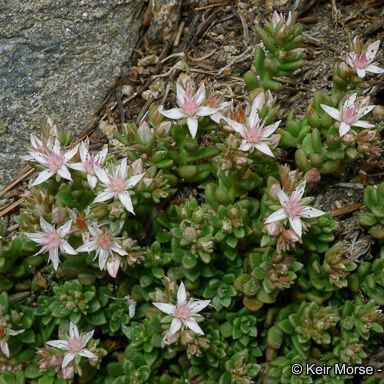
[350,113]
[74,345]
[89,161]
[116,184]
[253,132]
[361,59]
[5,333]
[190,107]
[107,248]
[293,209]
[52,240]
[51,157]
[183,312]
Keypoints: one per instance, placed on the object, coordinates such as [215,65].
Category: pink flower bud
[273,190]
[290,236]
[348,138]
[312,176]
[145,133]
[58,215]
[274,229]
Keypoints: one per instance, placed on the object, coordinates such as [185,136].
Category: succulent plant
[283,41]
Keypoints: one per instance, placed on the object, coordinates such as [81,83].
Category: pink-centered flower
[89,161]
[116,184]
[51,157]
[52,240]
[255,135]
[107,247]
[279,17]
[74,345]
[5,333]
[293,209]
[190,107]
[350,114]
[183,312]
[361,59]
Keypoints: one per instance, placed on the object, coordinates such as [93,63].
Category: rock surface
[58,58]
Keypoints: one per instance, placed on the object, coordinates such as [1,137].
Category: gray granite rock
[58,58]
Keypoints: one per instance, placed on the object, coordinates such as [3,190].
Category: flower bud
[273,191]
[145,133]
[58,215]
[348,138]
[274,229]
[290,236]
[312,176]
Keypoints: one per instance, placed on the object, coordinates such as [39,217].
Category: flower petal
[64,229]
[169,309]
[276,216]
[68,357]
[72,152]
[118,249]
[200,95]
[263,147]
[123,169]
[181,294]
[67,248]
[76,166]
[88,247]
[333,112]
[43,176]
[308,212]
[104,196]
[374,69]
[245,146]
[103,257]
[362,124]
[54,257]
[126,200]
[205,111]
[4,347]
[101,174]
[86,337]
[92,181]
[198,305]
[296,225]
[132,181]
[64,173]
[344,128]
[192,126]
[282,196]
[298,193]
[193,326]
[174,113]
[350,101]
[372,50]
[113,265]
[364,111]
[267,131]
[60,344]
[73,331]
[88,354]
[45,226]
[240,128]
[180,95]
[360,72]
[175,326]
